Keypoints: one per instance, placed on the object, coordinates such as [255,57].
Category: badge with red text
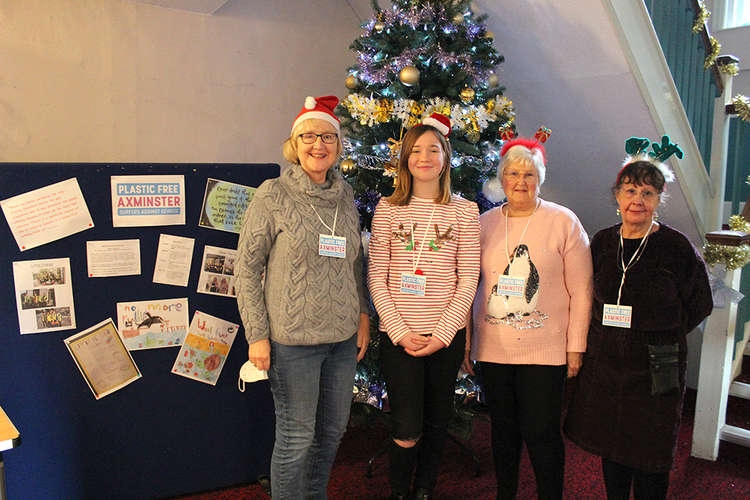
[619,316]
[332,246]
[414,284]
[511,286]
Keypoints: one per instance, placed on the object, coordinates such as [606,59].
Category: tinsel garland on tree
[413,59]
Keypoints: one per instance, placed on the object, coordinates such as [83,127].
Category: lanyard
[424,238]
[633,259]
[335,216]
[507,253]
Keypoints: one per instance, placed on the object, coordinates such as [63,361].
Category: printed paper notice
[148,324]
[148,200]
[44,295]
[205,349]
[173,259]
[224,205]
[217,272]
[113,258]
[100,354]
[47,214]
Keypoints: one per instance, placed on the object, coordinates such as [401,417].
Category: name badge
[511,286]
[619,316]
[332,246]
[413,284]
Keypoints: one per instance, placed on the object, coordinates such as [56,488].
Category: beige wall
[122,81]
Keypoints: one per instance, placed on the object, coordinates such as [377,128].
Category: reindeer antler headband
[492,188]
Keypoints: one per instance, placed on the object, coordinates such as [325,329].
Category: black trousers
[525,403]
[619,478]
[420,394]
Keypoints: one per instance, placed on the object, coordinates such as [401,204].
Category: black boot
[422,494]
[429,458]
[401,469]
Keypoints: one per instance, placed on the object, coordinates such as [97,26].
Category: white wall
[122,81]
[734,41]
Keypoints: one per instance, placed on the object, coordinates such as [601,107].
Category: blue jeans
[312,393]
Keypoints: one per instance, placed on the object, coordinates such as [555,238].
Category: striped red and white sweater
[449,261]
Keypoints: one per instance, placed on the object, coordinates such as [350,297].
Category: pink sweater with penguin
[537,320]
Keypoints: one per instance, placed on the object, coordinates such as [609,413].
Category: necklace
[507,216]
[633,259]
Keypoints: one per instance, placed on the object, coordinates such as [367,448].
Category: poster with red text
[205,348]
[47,214]
[148,200]
[148,324]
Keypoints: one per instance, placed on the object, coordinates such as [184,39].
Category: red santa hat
[440,122]
[320,108]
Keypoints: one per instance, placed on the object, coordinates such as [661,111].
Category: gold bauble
[348,165]
[379,26]
[351,82]
[489,34]
[493,81]
[409,76]
[467,95]
[458,18]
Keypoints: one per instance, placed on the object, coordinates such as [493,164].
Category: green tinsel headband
[636,148]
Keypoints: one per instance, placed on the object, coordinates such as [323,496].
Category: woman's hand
[467,365]
[575,360]
[433,345]
[259,354]
[414,342]
[363,335]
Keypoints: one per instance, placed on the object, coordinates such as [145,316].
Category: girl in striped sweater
[423,273]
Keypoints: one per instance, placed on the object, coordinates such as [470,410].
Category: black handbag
[663,363]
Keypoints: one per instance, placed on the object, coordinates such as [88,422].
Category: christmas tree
[417,58]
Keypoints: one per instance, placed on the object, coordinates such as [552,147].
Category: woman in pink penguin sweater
[531,317]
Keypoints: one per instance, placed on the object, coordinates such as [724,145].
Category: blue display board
[161,435]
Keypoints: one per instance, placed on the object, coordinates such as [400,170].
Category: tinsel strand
[701,17]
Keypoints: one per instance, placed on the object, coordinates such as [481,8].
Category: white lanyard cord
[633,259]
[507,216]
[424,238]
[335,216]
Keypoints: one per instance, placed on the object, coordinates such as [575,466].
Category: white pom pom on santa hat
[493,190]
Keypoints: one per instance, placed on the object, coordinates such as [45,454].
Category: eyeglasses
[646,194]
[517,176]
[310,138]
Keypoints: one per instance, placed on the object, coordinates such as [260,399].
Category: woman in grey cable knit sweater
[306,321]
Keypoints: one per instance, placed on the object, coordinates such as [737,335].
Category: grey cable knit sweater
[306,298]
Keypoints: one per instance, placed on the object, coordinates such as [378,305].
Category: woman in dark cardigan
[628,399]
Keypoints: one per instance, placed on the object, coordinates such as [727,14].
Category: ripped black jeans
[420,394]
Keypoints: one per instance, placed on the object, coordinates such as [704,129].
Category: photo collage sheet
[44,288]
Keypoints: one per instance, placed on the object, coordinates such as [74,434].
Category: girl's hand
[414,342]
[433,346]
[259,354]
